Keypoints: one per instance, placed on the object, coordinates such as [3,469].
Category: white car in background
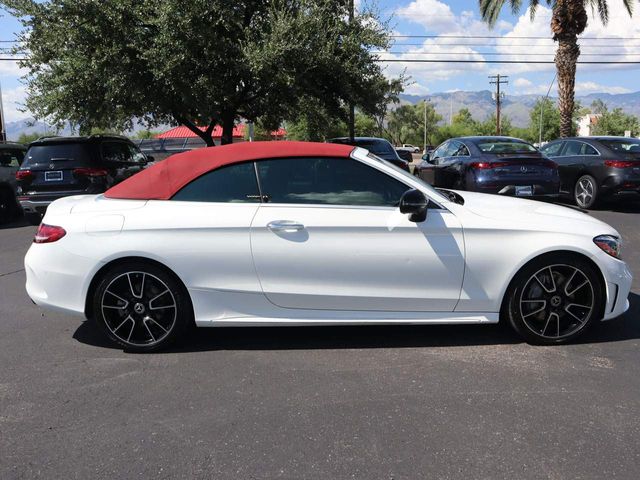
[291,233]
[409,147]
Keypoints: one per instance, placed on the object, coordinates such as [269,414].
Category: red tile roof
[162,180]
[238,132]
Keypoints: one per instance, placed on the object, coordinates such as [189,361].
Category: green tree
[26,138]
[204,63]
[145,134]
[568,20]
[550,121]
[615,122]
[406,124]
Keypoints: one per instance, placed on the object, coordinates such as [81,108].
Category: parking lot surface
[346,402]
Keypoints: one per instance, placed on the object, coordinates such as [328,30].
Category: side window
[588,150]
[328,181]
[460,150]
[136,155]
[573,149]
[11,158]
[441,150]
[552,149]
[230,184]
[116,152]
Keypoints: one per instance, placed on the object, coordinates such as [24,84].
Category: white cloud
[522,83]
[10,68]
[13,100]
[593,87]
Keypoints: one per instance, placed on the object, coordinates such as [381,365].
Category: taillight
[24,175]
[90,172]
[620,164]
[482,165]
[49,233]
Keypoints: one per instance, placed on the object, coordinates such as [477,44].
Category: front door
[332,238]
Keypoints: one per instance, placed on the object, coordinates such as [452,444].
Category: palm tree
[569,19]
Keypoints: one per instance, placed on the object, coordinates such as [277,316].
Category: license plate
[54,176]
[524,191]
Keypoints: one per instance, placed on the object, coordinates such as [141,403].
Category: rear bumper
[58,279]
[539,189]
[38,203]
[616,184]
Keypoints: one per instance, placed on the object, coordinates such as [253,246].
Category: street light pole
[542,105]
[352,109]
[424,149]
[3,132]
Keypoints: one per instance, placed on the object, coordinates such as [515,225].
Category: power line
[502,54]
[527,62]
[476,37]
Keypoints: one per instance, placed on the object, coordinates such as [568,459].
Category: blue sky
[446,18]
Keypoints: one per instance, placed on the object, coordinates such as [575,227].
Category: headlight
[609,244]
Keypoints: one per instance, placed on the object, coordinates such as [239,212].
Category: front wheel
[554,299]
[585,192]
[141,306]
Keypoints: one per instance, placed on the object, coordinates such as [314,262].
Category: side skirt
[426,319]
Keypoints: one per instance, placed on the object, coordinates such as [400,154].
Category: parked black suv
[11,155]
[56,167]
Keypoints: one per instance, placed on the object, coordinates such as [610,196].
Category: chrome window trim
[599,154]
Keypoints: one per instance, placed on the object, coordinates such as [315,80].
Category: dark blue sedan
[503,165]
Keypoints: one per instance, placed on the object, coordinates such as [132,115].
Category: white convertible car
[291,233]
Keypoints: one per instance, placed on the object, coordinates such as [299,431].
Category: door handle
[285,226]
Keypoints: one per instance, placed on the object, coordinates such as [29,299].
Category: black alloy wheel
[141,307]
[554,299]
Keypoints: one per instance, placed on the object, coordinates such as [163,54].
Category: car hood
[533,215]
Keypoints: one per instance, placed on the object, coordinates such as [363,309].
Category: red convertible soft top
[163,180]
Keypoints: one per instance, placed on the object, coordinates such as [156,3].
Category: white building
[586,124]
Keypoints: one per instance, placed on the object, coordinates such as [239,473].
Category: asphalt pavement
[412,402]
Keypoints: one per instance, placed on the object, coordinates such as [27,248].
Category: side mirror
[414,203]
[426,157]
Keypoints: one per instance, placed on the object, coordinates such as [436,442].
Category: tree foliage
[613,122]
[201,63]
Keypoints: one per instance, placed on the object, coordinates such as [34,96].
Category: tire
[554,299]
[33,218]
[141,306]
[585,192]
[8,206]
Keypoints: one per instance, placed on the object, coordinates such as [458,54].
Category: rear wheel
[554,299]
[8,206]
[585,192]
[141,306]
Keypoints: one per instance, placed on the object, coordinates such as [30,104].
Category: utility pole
[352,108]
[498,80]
[3,132]
[424,149]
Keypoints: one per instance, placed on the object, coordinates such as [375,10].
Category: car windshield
[435,194]
[505,146]
[624,145]
[377,147]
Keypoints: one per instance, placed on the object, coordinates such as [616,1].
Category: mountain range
[516,107]
[480,104]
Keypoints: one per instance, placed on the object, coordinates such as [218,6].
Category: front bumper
[618,279]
